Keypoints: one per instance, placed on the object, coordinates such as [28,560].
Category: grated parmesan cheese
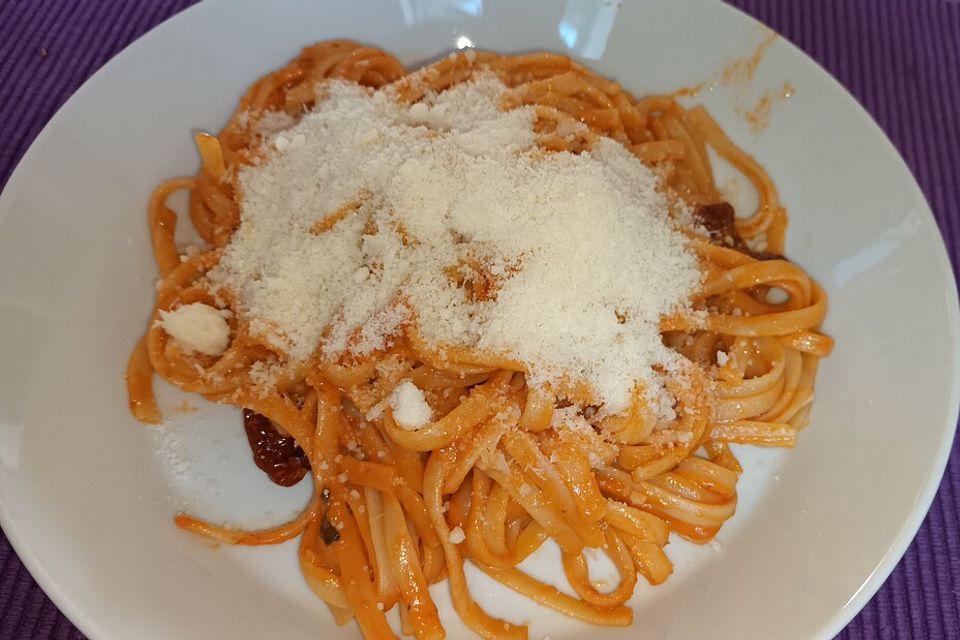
[172,448]
[577,253]
[197,327]
[265,375]
[409,406]
[457,535]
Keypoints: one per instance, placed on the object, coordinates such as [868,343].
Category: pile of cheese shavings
[368,215]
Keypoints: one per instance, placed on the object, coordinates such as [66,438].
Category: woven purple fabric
[900,58]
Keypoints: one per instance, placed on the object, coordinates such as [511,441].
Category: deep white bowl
[87,494]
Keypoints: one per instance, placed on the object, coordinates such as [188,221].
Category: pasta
[493,476]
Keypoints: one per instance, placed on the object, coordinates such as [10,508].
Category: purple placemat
[900,58]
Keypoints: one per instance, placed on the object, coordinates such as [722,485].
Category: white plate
[87,494]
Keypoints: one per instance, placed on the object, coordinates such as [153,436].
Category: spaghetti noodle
[494,473]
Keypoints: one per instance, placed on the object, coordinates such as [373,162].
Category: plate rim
[898,547]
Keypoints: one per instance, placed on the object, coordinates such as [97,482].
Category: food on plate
[491,302]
